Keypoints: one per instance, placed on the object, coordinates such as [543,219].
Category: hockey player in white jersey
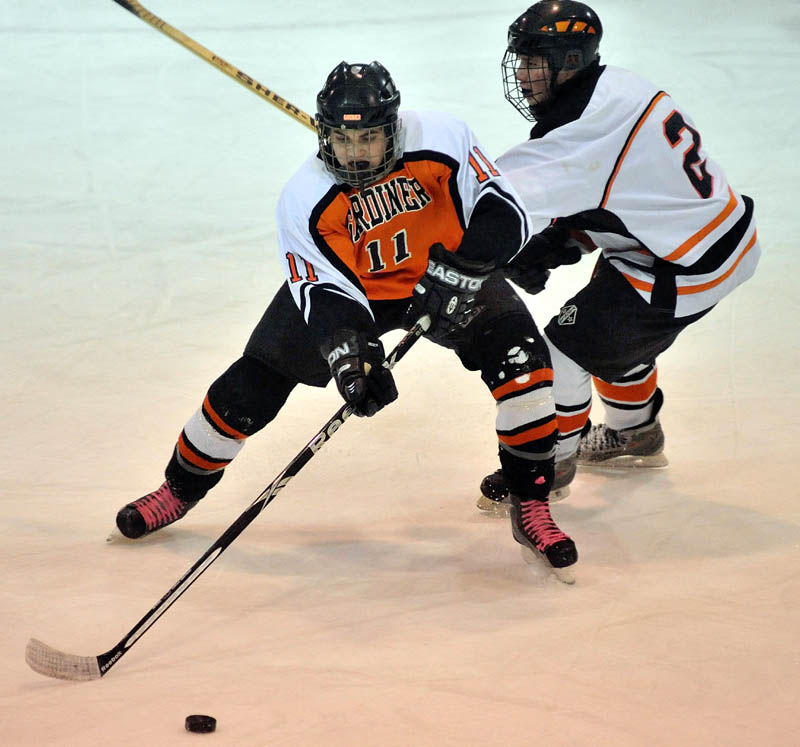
[616,163]
[396,216]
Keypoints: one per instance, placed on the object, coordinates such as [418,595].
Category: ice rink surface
[370,604]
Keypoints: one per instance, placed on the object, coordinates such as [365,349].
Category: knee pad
[248,395]
[509,346]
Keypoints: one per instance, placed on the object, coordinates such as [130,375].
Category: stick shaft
[53,663]
[206,54]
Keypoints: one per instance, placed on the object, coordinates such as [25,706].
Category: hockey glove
[356,362]
[447,290]
[549,249]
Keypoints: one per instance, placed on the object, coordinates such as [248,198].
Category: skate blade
[533,558]
[116,536]
[489,507]
[628,461]
[500,508]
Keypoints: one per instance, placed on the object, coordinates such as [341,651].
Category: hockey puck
[201,724]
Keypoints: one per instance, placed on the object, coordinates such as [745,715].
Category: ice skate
[533,527]
[151,512]
[642,446]
[495,495]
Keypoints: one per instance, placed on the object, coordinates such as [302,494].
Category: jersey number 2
[694,167]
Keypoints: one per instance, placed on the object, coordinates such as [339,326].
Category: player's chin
[535,99]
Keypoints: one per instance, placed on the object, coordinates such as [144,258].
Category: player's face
[359,149]
[533,74]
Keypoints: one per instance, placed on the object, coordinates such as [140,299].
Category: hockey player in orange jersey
[613,162]
[395,216]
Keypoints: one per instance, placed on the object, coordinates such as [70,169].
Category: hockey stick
[230,70]
[54,663]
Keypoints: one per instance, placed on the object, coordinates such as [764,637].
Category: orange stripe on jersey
[686,289]
[641,285]
[703,232]
[220,423]
[628,144]
[190,456]
[640,392]
[572,423]
[532,434]
[521,383]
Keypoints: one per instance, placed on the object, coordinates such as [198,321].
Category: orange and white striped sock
[526,430]
[572,389]
[628,401]
[207,444]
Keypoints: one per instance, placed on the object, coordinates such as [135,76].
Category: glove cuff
[346,343]
[454,260]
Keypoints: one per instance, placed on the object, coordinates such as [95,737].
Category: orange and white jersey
[631,171]
[373,243]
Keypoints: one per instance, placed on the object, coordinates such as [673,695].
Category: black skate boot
[533,527]
[495,494]
[640,446]
[151,512]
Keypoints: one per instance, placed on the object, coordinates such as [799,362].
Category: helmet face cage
[360,156]
[563,36]
[524,99]
[360,134]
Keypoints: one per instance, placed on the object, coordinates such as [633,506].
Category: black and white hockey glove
[447,290]
[356,362]
[551,248]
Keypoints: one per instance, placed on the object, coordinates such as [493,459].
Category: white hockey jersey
[373,243]
[631,172]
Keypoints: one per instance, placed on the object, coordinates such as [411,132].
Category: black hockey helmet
[359,97]
[565,33]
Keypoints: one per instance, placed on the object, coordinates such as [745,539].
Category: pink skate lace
[539,525]
[160,507]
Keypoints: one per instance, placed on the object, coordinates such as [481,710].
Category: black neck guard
[571,99]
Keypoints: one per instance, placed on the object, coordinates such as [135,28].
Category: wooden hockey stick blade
[230,70]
